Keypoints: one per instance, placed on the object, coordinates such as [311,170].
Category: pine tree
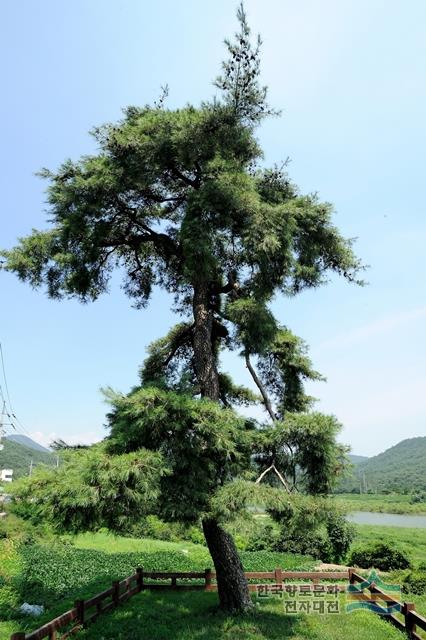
[178,199]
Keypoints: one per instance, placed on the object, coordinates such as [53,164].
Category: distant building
[6,475]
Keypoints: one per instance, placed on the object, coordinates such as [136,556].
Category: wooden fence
[86,611]
[383,602]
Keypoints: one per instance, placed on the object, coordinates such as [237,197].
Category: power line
[4,377]
[12,413]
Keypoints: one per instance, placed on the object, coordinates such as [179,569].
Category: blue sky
[349,76]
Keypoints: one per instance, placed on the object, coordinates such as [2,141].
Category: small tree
[178,199]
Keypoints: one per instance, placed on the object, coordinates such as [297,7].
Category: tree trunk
[204,357]
[232,584]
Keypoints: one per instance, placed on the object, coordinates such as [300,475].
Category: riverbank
[380,503]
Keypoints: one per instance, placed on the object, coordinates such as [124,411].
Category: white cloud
[371,330]
[46,439]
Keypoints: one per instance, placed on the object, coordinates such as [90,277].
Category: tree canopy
[180,199]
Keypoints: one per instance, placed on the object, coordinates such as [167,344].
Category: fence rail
[86,611]
[382,601]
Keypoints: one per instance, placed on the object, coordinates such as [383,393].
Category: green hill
[357,459]
[18,457]
[26,442]
[401,468]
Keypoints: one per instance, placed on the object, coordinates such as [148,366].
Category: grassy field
[392,503]
[57,573]
[54,574]
[187,616]
[411,541]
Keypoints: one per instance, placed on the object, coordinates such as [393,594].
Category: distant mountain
[357,459]
[401,468]
[27,442]
[18,457]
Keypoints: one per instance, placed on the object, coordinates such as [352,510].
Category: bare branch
[265,397]
[280,476]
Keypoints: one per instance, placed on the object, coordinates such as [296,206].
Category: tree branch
[265,397]
[179,343]
[280,476]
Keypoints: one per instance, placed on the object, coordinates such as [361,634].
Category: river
[388,519]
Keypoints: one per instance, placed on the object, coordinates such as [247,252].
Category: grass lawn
[411,541]
[392,503]
[104,541]
[187,616]
[57,574]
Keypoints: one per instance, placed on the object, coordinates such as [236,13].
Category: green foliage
[92,490]
[170,366]
[401,468]
[415,582]
[304,448]
[340,534]
[20,531]
[284,368]
[263,538]
[177,199]
[411,541]
[381,503]
[9,600]
[202,444]
[153,527]
[254,532]
[18,457]
[255,324]
[169,361]
[235,394]
[239,81]
[59,570]
[312,525]
[233,499]
[379,555]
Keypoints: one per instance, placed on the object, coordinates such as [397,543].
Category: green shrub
[380,555]
[415,582]
[327,539]
[340,534]
[9,601]
[17,529]
[153,527]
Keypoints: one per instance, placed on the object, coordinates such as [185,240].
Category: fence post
[350,575]
[207,579]
[116,592]
[407,608]
[79,605]
[19,635]
[278,575]
[139,572]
